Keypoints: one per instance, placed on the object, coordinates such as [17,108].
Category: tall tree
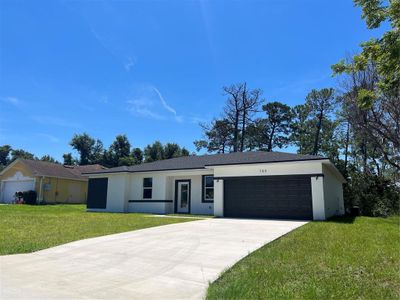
[375,129]
[306,124]
[49,158]
[172,150]
[240,107]
[218,136]
[5,151]
[301,135]
[321,103]
[120,149]
[233,109]
[68,159]
[255,138]
[137,156]
[276,125]
[383,52]
[185,152]
[19,153]
[97,153]
[84,144]
[154,152]
[250,103]
[158,151]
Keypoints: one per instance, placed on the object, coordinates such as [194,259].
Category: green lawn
[339,259]
[25,228]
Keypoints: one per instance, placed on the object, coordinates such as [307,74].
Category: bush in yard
[29,197]
[374,195]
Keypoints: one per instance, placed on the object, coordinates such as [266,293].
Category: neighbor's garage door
[97,193]
[11,187]
[287,197]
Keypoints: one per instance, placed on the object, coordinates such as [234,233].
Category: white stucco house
[241,184]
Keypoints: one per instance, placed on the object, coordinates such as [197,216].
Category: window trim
[147,188]
[203,189]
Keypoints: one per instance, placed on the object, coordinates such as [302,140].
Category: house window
[147,188]
[208,188]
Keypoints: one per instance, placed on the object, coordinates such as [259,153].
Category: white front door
[183,197]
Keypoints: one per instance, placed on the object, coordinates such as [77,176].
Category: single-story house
[53,183]
[241,184]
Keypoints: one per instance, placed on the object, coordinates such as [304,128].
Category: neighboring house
[52,182]
[241,184]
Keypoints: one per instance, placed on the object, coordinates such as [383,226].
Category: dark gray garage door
[287,197]
[97,193]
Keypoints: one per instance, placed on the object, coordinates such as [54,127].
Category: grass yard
[339,259]
[25,228]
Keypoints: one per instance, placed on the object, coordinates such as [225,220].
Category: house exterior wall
[164,190]
[197,206]
[17,167]
[317,192]
[271,169]
[267,169]
[54,190]
[218,197]
[117,192]
[333,194]
[154,205]
[59,190]
[125,190]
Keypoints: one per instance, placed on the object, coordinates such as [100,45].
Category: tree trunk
[316,141]
[346,150]
[243,131]
[236,131]
[270,139]
[244,108]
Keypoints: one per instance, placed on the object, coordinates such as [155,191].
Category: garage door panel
[11,187]
[268,197]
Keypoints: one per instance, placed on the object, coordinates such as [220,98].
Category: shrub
[29,197]
[374,195]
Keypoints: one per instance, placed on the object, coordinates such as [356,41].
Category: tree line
[250,123]
[92,151]
[120,152]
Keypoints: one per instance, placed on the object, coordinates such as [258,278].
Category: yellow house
[53,183]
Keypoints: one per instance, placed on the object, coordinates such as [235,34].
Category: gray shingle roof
[44,168]
[201,161]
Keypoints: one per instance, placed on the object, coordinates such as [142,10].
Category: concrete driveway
[168,262]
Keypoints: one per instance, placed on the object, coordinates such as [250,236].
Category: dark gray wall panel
[287,197]
[97,193]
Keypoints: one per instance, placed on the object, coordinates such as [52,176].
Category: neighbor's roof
[202,161]
[48,169]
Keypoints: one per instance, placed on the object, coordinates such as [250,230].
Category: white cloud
[148,105]
[143,107]
[167,107]
[130,64]
[11,100]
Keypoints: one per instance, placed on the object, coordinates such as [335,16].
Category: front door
[183,197]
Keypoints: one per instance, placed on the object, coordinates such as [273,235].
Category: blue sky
[154,69]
